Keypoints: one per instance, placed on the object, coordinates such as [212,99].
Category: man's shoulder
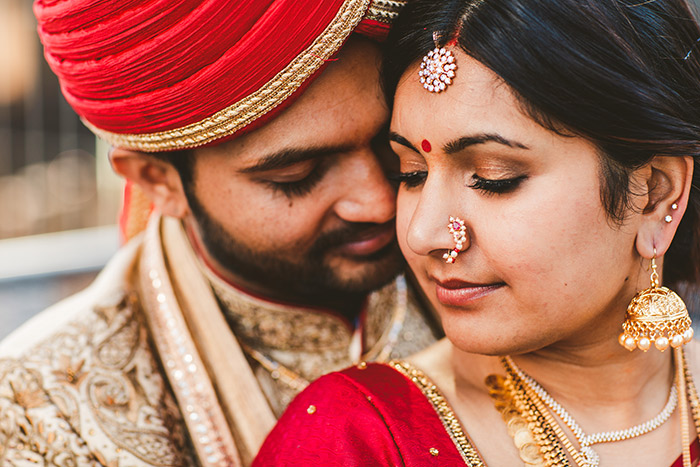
[81,381]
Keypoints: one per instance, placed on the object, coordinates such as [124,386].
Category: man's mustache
[348,234]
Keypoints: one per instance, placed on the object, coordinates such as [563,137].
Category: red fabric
[371,417]
[143,66]
[373,29]
[124,212]
[694,454]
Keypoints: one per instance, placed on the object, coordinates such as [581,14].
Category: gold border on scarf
[442,408]
[210,434]
[250,108]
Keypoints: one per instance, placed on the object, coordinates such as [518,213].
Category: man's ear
[668,186]
[158,179]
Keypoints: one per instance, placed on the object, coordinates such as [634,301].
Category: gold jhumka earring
[656,315]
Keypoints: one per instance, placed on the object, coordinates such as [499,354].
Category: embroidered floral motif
[104,359]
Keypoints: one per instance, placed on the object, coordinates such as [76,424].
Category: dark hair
[616,72]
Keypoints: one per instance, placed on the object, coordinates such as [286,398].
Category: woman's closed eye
[409,179]
[496,186]
[491,186]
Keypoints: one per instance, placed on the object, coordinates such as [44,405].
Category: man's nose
[368,196]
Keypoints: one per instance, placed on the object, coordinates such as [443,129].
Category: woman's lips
[458,293]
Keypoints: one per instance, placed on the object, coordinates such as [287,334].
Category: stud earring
[674,206]
[459,233]
[668,219]
[656,315]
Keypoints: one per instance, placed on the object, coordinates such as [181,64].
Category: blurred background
[59,199]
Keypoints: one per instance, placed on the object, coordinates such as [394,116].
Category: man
[260,144]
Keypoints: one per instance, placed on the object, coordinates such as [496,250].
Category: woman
[562,148]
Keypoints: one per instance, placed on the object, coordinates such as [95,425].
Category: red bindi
[426,145]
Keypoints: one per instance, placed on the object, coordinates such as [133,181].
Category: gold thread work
[442,408]
[385,11]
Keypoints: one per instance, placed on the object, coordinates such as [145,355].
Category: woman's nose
[437,228]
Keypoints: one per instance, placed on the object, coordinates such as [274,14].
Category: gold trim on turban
[385,11]
[245,111]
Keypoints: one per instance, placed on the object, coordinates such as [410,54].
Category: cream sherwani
[151,365]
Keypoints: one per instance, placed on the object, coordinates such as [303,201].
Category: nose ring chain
[459,234]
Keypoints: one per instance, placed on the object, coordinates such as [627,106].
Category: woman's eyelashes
[409,179]
[490,186]
[496,186]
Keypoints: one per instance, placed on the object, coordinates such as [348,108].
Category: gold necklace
[512,396]
[523,420]
[277,371]
[585,455]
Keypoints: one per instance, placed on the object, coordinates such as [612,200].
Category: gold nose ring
[459,233]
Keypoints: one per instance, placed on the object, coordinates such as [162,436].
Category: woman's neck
[629,388]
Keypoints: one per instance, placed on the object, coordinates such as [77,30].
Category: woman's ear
[668,187]
[158,179]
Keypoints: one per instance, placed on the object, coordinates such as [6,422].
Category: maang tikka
[437,70]
[656,315]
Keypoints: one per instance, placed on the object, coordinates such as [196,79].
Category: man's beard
[308,280]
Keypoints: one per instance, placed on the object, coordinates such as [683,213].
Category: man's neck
[348,306]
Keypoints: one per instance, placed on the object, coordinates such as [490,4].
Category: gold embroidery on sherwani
[90,395]
[311,342]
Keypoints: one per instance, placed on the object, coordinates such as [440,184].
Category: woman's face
[542,262]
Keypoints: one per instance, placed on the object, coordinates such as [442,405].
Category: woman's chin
[495,341]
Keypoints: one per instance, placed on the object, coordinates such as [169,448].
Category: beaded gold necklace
[529,412]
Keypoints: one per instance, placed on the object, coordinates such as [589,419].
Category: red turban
[163,75]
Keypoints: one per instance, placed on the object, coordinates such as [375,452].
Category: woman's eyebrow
[397,138]
[464,142]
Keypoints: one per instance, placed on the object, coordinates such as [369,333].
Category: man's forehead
[342,108]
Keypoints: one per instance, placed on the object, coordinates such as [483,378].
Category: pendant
[590,457]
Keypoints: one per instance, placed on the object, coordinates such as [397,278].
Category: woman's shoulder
[369,414]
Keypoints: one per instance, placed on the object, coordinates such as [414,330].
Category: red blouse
[373,415]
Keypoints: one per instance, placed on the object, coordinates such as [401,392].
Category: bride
[549,186]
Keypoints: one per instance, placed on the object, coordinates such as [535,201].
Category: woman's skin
[545,275]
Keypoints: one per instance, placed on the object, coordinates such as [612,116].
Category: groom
[256,130]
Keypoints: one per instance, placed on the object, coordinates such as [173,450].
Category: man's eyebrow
[291,156]
[466,141]
[397,138]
